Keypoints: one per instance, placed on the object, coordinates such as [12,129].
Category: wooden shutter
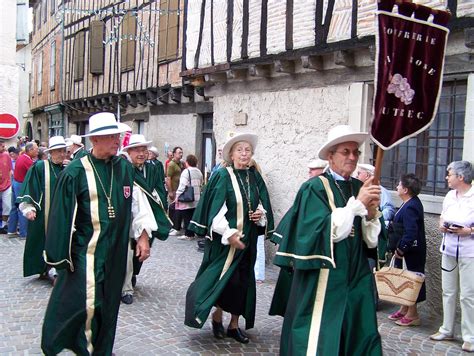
[172,38]
[127,52]
[163,30]
[96,47]
[79,42]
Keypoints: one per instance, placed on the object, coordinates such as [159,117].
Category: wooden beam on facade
[132,100]
[188,91]
[200,91]
[215,78]
[105,102]
[257,70]
[312,62]
[152,96]
[344,58]
[237,74]
[284,66]
[98,104]
[123,100]
[163,95]
[176,95]
[142,99]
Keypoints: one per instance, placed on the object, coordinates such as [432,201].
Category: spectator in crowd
[93,202]
[5,187]
[77,149]
[14,153]
[231,209]
[457,248]
[412,245]
[23,163]
[329,307]
[364,172]
[173,175]
[153,159]
[42,154]
[34,202]
[190,176]
[169,156]
[219,162]
[316,167]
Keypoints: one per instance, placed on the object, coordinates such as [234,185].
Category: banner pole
[378,165]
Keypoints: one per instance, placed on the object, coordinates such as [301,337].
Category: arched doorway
[29,129]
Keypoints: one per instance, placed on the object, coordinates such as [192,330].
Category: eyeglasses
[450,175]
[346,152]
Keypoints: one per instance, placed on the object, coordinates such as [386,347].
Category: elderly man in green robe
[34,202]
[323,241]
[87,241]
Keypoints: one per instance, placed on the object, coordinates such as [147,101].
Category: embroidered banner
[408,72]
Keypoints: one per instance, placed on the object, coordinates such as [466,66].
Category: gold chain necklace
[246,191]
[342,193]
[110,208]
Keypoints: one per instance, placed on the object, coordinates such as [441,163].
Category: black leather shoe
[218,330]
[238,335]
[127,298]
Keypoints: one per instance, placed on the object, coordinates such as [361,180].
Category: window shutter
[96,48]
[127,53]
[163,30]
[79,56]
[172,37]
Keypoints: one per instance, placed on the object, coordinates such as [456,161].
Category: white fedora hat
[104,123]
[367,167]
[137,140]
[317,163]
[154,150]
[56,142]
[74,139]
[233,138]
[340,134]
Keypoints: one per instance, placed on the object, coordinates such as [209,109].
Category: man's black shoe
[3,230]
[134,281]
[238,335]
[127,299]
[218,330]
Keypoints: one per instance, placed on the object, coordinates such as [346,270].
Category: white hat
[233,138]
[104,123]
[154,150]
[340,134]
[74,140]
[367,167]
[137,140]
[317,163]
[56,142]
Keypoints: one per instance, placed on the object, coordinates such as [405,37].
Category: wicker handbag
[398,286]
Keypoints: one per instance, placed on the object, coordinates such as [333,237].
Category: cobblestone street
[153,324]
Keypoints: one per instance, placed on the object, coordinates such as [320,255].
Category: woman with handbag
[457,248]
[188,194]
[412,245]
[233,210]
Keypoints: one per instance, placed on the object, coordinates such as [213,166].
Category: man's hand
[31,215]
[369,195]
[142,250]
[235,242]
[255,216]
[172,195]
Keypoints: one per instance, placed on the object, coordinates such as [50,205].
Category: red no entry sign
[9,126]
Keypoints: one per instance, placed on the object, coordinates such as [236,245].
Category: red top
[5,171]
[23,163]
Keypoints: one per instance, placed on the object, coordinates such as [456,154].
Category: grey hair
[29,146]
[462,169]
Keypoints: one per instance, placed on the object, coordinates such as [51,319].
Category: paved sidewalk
[153,324]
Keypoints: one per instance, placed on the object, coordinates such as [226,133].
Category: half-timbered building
[290,70]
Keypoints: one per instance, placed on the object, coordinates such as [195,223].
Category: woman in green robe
[233,210]
[34,199]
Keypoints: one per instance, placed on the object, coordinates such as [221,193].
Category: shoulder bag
[188,195]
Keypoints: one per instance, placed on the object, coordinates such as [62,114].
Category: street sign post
[9,126]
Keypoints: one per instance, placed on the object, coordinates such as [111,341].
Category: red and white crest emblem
[126,191]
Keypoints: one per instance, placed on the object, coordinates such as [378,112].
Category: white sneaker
[467,346]
[174,232]
[440,336]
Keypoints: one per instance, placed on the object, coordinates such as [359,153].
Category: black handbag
[188,195]
[395,234]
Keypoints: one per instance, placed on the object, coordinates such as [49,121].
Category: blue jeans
[16,217]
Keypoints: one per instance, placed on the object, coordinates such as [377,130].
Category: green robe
[220,261]
[80,153]
[89,249]
[37,190]
[331,307]
[155,178]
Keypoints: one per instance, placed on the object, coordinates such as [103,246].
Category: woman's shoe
[441,337]
[396,316]
[238,335]
[218,330]
[408,322]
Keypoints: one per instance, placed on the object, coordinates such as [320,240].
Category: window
[129,32]
[428,154]
[38,14]
[45,10]
[96,48]
[140,126]
[52,66]
[56,123]
[168,30]
[79,42]
[208,145]
[52,7]
[39,78]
